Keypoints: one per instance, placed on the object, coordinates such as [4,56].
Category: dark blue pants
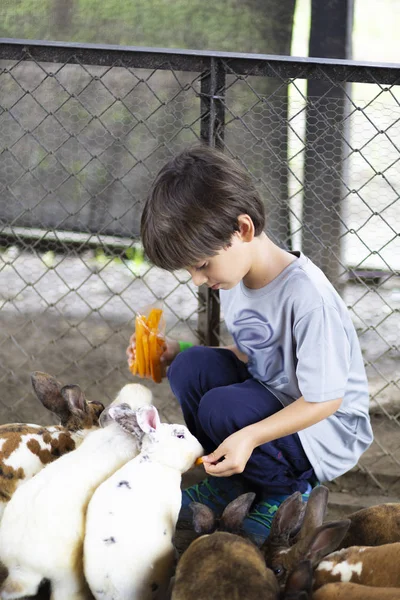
[218,396]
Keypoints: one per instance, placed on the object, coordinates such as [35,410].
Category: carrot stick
[154,318]
[133,367]
[154,357]
[140,357]
[152,342]
[146,352]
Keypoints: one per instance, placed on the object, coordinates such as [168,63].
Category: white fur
[134,394]
[128,550]
[42,531]
[344,569]
[23,458]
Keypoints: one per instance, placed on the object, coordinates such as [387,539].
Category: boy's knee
[214,408]
[188,364]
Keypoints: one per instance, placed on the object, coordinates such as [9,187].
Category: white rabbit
[134,394]
[42,530]
[131,518]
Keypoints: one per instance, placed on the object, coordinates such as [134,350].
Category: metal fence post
[212,113]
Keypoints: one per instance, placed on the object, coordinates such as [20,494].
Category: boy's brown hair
[193,207]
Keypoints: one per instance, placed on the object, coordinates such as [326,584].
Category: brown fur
[227,565]
[231,568]
[9,476]
[380,566]
[74,413]
[353,591]
[374,526]
[299,585]
[286,545]
[86,420]
[58,446]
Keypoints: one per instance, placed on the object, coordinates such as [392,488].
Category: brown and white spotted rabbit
[26,448]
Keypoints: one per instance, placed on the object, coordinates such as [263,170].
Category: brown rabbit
[299,586]
[223,565]
[374,526]
[26,448]
[293,525]
[375,566]
[286,545]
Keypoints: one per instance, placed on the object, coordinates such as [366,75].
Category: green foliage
[22,18]
[201,24]
[132,258]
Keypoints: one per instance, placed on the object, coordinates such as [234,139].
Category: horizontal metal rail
[197,60]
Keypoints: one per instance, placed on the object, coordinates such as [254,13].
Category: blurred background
[84,129]
[226,25]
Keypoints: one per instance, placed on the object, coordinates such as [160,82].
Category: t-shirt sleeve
[323,355]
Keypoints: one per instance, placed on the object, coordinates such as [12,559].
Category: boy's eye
[203,266]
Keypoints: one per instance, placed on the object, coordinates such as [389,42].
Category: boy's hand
[170,352]
[235,451]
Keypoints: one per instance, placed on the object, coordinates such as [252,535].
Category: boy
[287,404]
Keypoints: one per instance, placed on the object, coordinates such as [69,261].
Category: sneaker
[257,524]
[214,492]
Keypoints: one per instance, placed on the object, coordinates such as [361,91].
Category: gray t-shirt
[300,341]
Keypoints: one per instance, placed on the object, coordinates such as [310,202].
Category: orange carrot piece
[133,367]
[140,356]
[154,357]
[154,318]
[199,461]
[145,341]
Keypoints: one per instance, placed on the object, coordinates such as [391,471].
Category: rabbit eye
[278,570]
[178,432]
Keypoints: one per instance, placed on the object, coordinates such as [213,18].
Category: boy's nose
[199,279]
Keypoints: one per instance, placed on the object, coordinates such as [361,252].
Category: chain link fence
[84,129]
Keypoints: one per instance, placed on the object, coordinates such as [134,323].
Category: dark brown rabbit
[223,565]
[291,528]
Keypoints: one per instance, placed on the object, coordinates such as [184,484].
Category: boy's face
[226,269]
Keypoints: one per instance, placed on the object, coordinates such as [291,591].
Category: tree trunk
[62,15]
[262,141]
[331,27]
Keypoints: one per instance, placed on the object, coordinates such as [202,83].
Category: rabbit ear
[299,582]
[109,414]
[148,419]
[315,512]
[326,539]
[124,416]
[48,390]
[75,399]
[203,518]
[234,514]
[287,518]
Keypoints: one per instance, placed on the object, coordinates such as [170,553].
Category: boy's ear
[246,228]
